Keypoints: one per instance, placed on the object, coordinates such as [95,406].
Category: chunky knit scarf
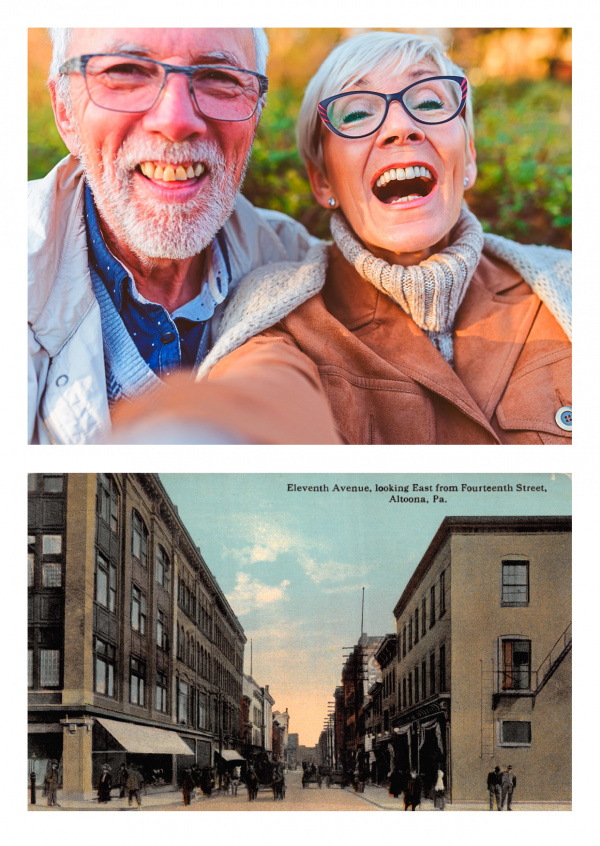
[430,292]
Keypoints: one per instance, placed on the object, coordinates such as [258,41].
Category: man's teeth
[403,173]
[171,173]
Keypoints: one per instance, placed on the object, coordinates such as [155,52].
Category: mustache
[177,152]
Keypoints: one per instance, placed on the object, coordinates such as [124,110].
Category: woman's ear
[320,185]
[470,164]
[64,120]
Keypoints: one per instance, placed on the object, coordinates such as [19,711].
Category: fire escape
[499,684]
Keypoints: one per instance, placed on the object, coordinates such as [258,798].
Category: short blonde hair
[358,56]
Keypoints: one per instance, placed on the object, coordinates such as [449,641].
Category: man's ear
[470,164]
[320,185]
[64,120]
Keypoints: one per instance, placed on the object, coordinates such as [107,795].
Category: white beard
[159,229]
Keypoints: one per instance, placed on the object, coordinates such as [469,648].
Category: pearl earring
[465,181]
[332,202]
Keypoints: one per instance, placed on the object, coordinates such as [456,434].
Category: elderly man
[139,236]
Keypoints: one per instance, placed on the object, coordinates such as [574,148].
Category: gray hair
[61,39]
[358,56]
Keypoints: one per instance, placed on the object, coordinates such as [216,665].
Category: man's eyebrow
[218,57]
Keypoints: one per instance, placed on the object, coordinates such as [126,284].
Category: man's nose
[399,127]
[174,114]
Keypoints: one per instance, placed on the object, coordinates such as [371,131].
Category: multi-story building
[359,673]
[484,657]
[282,718]
[134,653]
[258,708]
[380,710]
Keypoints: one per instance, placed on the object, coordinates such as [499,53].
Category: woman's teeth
[403,173]
[171,173]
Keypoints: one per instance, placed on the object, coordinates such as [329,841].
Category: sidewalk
[152,799]
[379,796]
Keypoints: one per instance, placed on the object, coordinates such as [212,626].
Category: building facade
[484,658]
[135,655]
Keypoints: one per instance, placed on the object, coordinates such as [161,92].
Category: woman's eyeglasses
[356,114]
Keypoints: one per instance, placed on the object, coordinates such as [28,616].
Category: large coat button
[564,418]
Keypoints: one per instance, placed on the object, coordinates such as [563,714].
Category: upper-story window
[138,610]
[417,624]
[442,593]
[51,544]
[108,501]
[432,606]
[516,664]
[424,617]
[139,538]
[106,583]
[515,582]
[52,484]
[162,567]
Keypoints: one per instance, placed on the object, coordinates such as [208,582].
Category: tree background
[521,81]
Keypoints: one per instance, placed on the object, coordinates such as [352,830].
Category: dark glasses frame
[398,97]
[78,64]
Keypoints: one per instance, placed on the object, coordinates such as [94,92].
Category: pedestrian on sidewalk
[439,792]
[134,786]
[494,788]
[508,782]
[187,786]
[121,780]
[395,786]
[51,784]
[412,791]
[104,785]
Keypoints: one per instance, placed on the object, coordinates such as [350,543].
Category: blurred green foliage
[523,142]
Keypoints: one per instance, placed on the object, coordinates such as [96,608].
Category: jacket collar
[497,305]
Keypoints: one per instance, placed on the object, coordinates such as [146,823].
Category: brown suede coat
[387,384]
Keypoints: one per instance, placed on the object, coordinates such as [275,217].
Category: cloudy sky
[293,564]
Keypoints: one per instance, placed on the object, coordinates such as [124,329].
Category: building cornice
[476,525]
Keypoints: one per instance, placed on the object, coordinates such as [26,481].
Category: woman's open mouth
[402,185]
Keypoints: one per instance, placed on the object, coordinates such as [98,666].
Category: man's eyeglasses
[356,114]
[122,82]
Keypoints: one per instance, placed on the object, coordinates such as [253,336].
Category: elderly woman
[418,327]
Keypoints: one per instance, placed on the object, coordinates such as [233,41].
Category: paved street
[297,799]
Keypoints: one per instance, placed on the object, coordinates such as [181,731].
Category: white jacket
[66,378]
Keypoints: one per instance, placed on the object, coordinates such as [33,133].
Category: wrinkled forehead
[190,46]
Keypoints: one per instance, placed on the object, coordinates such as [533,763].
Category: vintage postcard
[299,642]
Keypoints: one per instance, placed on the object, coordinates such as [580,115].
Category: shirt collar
[115,276]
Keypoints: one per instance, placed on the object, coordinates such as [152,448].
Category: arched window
[162,567]
[139,538]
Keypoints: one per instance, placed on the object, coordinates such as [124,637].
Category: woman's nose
[399,128]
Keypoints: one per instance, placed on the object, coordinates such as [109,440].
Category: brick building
[134,653]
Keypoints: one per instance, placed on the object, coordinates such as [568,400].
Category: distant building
[283,719]
[134,653]
[380,710]
[256,731]
[292,752]
[484,658]
[359,673]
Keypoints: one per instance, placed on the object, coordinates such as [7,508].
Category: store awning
[145,740]
[230,755]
